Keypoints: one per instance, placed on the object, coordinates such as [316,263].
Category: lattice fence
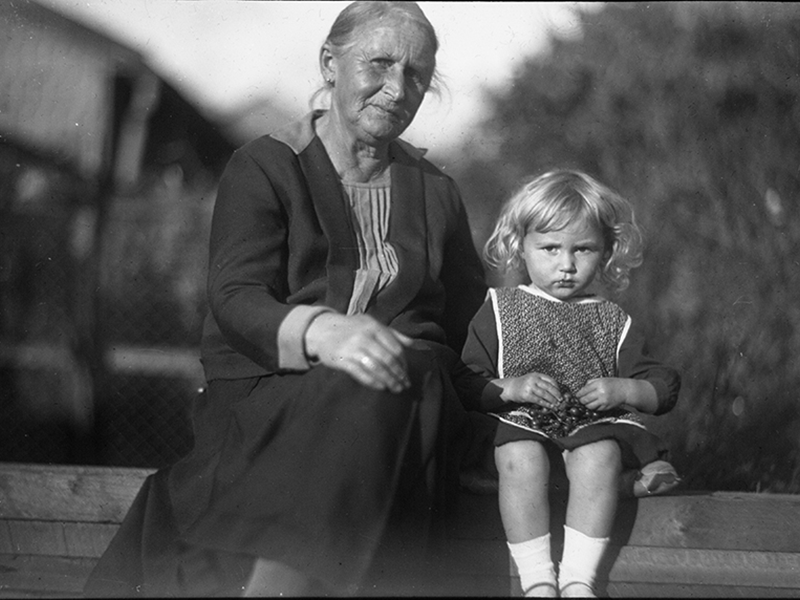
[102,375]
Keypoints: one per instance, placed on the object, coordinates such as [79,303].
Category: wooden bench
[55,521]
[705,544]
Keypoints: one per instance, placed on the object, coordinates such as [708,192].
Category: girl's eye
[383,63]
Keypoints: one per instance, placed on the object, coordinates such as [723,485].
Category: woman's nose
[394,84]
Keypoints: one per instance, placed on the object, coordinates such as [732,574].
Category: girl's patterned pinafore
[572,342]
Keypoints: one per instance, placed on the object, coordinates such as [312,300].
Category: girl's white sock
[535,566]
[581,558]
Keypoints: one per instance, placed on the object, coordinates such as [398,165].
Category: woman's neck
[353,159]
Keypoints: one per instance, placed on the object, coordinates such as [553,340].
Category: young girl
[566,367]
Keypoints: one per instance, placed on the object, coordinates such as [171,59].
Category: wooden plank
[35,356]
[715,520]
[5,538]
[166,361]
[68,493]
[55,538]
[444,584]
[677,590]
[432,577]
[706,567]
[465,585]
[24,575]
[476,557]
[719,520]
[475,516]
[696,545]
[37,537]
[88,539]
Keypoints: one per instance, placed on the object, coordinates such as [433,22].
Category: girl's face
[564,263]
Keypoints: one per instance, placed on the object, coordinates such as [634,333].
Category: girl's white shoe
[541,590]
[577,589]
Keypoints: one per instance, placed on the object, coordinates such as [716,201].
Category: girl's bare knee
[524,458]
[602,455]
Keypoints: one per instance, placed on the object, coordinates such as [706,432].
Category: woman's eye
[414,76]
[383,63]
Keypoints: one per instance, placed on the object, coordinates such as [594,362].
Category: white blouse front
[370,208]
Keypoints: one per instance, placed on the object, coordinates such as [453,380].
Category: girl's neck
[587,295]
[353,159]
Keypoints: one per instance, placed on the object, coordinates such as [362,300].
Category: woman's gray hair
[361,12]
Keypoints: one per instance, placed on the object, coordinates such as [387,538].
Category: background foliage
[692,111]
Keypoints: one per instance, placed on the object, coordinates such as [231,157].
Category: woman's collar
[300,133]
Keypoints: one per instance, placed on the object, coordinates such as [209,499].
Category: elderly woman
[342,276]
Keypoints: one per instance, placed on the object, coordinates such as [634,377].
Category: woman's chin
[383,130]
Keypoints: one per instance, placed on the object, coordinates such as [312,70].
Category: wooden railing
[55,521]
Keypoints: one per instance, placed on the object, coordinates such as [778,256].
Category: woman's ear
[327,64]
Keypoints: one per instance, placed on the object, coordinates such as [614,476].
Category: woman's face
[381,79]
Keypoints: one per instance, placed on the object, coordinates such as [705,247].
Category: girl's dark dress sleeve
[634,362]
[479,363]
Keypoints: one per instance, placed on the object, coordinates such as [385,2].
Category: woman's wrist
[310,346]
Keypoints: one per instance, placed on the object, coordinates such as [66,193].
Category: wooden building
[107,178]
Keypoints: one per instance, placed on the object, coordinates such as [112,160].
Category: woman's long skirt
[309,469]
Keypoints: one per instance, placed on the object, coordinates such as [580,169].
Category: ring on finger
[366,361]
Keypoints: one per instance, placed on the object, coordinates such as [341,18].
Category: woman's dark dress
[291,462]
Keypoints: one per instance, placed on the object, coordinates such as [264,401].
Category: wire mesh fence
[144,422]
[107,178]
[98,369]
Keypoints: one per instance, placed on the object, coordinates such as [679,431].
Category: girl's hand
[606,393]
[362,347]
[533,388]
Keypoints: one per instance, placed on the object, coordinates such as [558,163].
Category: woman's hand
[362,347]
[606,393]
[533,388]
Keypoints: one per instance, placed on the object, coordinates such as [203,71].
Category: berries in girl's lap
[568,416]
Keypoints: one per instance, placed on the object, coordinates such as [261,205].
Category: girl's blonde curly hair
[550,202]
